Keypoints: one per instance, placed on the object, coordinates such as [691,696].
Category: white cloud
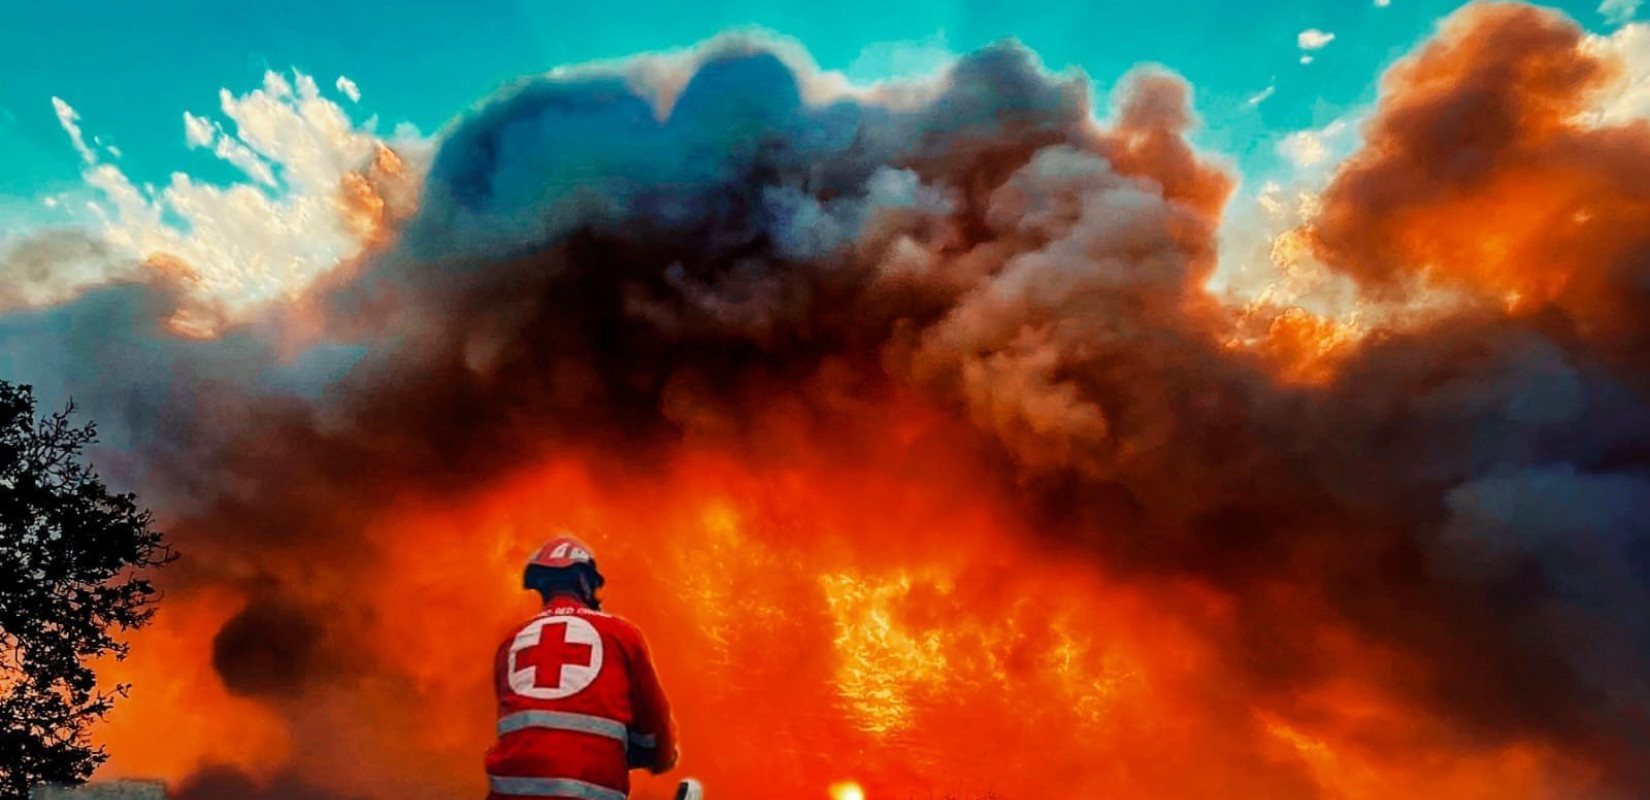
[349,89]
[1303,148]
[1313,39]
[881,61]
[1306,59]
[239,248]
[198,131]
[1628,97]
[202,132]
[1617,12]
[1270,199]
[1382,3]
[70,120]
[1310,148]
[1261,96]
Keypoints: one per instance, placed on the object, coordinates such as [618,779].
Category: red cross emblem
[551,653]
[555,656]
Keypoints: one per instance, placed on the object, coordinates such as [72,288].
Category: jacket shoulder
[622,630]
[619,625]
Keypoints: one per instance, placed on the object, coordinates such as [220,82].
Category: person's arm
[652,730]
[501,669]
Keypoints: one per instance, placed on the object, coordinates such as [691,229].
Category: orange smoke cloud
[1482,170]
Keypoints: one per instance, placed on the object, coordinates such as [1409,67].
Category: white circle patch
[554,657]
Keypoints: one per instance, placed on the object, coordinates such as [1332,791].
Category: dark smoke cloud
[227,783]
[600,265]
[267,649]
[54,266]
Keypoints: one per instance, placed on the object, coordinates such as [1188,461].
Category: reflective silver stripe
[562,721]
[552,787]
[643,740]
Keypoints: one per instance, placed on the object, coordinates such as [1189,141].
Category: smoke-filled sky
[133,68]
[959,415]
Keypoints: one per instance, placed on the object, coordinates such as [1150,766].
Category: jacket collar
[561,602]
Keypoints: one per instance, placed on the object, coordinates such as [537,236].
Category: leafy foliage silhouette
[72,556]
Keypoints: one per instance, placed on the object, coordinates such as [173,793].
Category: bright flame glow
[847,790]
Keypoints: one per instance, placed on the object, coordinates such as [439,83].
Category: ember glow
[907,425]
[847,790]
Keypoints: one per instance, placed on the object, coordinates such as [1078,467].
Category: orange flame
[878,615]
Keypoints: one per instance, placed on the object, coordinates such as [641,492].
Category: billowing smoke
[226,783]
[910,431]
[1481,172]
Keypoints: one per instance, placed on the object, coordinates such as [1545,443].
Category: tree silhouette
[70,557]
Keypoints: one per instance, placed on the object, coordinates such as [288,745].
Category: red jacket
[579,705]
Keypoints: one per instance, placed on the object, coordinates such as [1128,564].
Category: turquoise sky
[131,69]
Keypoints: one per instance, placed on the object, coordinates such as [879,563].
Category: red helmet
[562,552]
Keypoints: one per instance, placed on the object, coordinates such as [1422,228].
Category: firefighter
[579,704]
